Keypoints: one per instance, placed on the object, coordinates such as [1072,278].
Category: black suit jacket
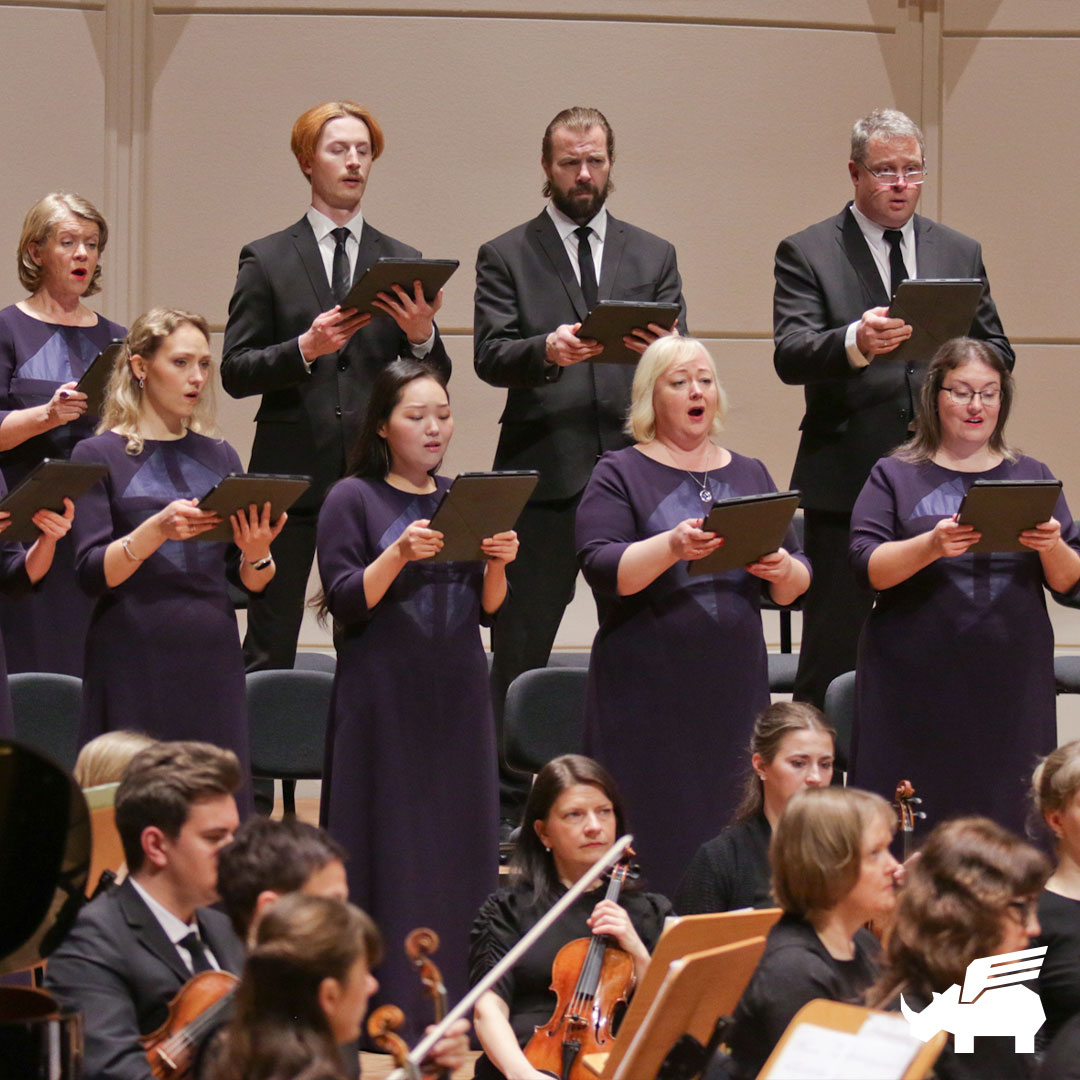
[306,422]
[825,279]
[120,970]
[559,420]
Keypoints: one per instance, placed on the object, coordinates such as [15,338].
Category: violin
[601,976]
[196,1010]
[384,1022]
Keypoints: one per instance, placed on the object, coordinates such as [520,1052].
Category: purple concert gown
[13,583]
[45,628]
[678,670]
[163,650]
[955,685]
[410,786]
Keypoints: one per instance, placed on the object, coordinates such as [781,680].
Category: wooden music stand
[681,936]
[106,852]
[698,990]
[849,1019]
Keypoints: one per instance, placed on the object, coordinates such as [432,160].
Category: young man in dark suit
[289,340]
[132,949]
[534,287]
[833,336]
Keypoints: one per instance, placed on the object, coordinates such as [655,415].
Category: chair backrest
[48,710]
[682,936]
[698,990]
[106,852]
[288,713]
[543,716]
[840,709]
[913,1059]
[315,661]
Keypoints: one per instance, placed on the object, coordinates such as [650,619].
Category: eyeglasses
[1025,909]
[912,177]
[963,396]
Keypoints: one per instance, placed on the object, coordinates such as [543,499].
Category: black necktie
[897,269]
[193,944]
[585,265]
[341,280]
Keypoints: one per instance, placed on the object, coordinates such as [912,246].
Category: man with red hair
[289,340]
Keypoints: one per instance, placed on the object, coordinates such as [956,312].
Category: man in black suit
[133,948]
[288,339]
[534,287]
[832,335]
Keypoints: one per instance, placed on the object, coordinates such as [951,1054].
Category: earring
[142,383]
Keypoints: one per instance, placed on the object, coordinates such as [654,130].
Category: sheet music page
[881,1050]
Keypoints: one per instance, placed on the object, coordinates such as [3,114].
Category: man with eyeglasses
[832,336]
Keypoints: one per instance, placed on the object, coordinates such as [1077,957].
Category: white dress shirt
[176,929]
[566,229]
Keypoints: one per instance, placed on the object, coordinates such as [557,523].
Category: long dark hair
[927,438]
[280,1029]
[531,865]
[771,726]
[951,906]
[370,454]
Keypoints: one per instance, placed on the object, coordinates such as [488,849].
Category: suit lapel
[858,253]
[308,251]
[551,243]
[614,242]
[371,250]
[926,249]
[147,931]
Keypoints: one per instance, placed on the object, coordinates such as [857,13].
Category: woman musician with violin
[573,814]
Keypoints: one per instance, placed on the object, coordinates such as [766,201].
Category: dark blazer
[306,422]
[825,279]
[559,420]
[120,970]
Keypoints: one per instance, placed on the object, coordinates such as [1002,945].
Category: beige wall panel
[723,161]
[51,126]
[1011,17]
[864,14]
[1005,167]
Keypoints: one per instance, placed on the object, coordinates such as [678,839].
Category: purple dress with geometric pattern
[410,784]
[955,683]
[678,670]
[163,650]
[45,628]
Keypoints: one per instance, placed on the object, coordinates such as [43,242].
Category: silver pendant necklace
[704,494]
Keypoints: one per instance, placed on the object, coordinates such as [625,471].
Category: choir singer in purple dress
[410,785]
[163,651]
[955,685]
[47,341]
[678,669]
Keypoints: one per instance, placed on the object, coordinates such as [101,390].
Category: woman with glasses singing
[955,685]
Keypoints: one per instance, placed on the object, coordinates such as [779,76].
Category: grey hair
[887,124]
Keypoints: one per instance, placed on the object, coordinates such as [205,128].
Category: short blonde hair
[1055,781]
[38,225]
[103,759]
[147,333]
[816,851]
[655,360]
[308,128]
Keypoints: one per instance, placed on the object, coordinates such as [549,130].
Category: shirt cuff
[307,363]
[855,358]
[420,351]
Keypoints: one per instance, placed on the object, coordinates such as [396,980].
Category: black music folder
[936,309]
[383,274]
[1002,509]
[238,491]
[45,487]
[95,379]
[751,525]
[612,320]
[479,505]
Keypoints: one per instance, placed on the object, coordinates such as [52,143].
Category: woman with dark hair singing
[410,788]
[573,815]
[955,686]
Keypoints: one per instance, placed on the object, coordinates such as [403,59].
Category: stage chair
[543,716]
[699,989]
[571,658]
[784,664]
[840,709]
[288,712]
[315,661]
[106,850]
[682,935]
[48,709]
[848,1020]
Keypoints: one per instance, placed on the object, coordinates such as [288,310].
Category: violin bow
[422,1048]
